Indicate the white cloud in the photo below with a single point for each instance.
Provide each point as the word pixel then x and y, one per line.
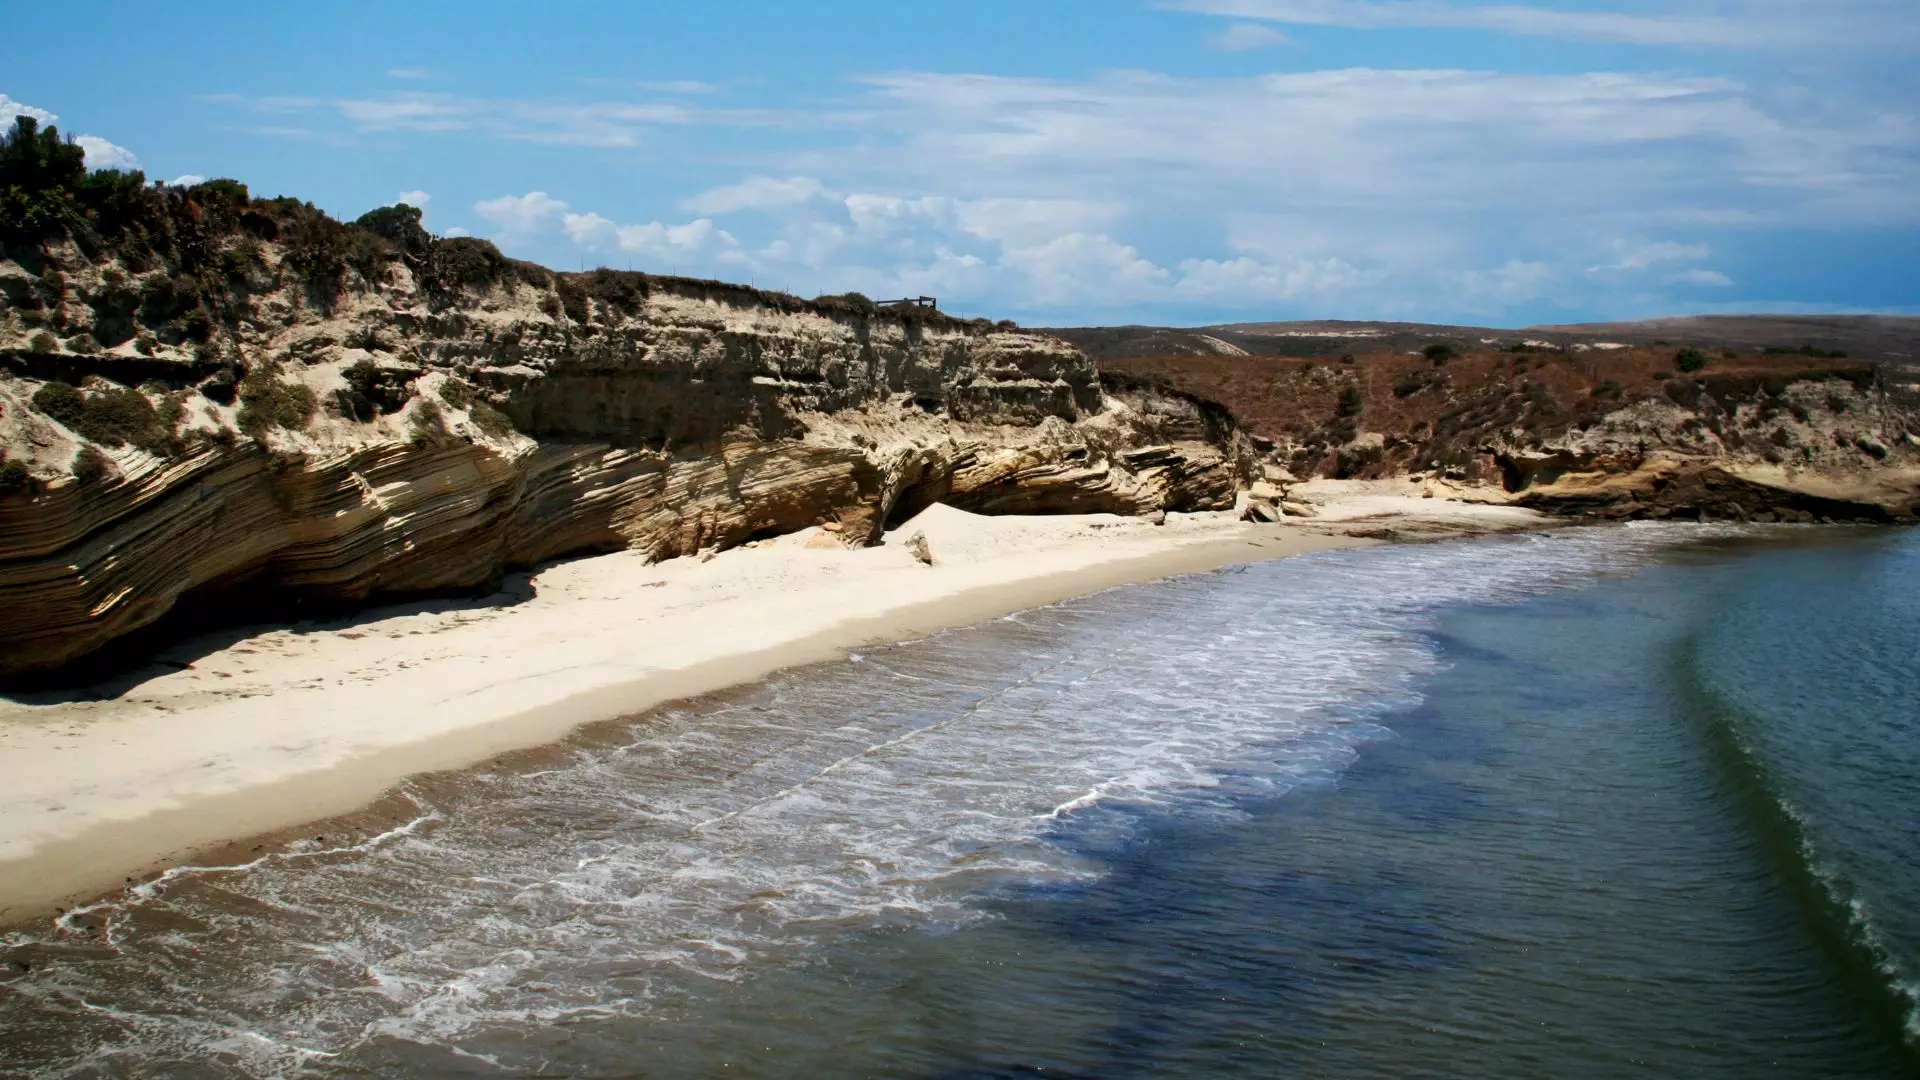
pixel 521 217
pixel 102 154
pixel 1866 24
pixel 756 193
pixel 680 243
pixel 10 108
pixel 416 199
pixel 456 231
pixel 1359 192
pixel 1080 267
pixel 187 180
pixel 1702 277
pixel 1245 37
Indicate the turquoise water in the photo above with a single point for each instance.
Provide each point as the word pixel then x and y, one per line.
pixel 1635 801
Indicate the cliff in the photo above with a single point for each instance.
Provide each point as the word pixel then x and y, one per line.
pixel 1627 432
pixel 245 405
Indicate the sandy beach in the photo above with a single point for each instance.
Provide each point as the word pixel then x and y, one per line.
pixel 238 735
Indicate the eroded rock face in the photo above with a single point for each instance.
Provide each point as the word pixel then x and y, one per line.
pixel 690 420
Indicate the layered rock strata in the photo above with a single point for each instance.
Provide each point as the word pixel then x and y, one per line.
pixel 400 446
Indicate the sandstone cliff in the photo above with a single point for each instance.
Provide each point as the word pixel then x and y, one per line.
pixel 190 429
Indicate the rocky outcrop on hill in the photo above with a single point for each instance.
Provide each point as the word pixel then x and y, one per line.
pixel 1627 433
pixel 402 438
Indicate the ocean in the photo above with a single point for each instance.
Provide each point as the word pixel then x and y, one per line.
pixel 1611 801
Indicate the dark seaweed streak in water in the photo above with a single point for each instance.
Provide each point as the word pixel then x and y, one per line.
pixel 1423 811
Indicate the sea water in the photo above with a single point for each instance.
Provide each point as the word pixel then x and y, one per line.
pixel 1602 802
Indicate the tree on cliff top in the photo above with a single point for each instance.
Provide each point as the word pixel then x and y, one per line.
pixel 39 171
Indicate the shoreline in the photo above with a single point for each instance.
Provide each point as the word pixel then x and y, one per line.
pixel 296 725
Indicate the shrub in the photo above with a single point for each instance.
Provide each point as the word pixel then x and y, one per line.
pixel 456 393
pixel 62 402
pixel 321 251
pixel 266 402
pixel 573 300
pixel 490 420
pixel 197 326
pixel 90 465
pixel 163 298
pixel 13 475
pixel 858 303
pixel 430 424
pixel 624 292
pixel 461 262
pixel 220 192
pixel 372 391
pixel 1439 352
pixel 1350 400
pixel 44 342
pixel 1690 359
pixel 39 171
pixel 114 417
pixel 1608 389
pixel 399 225
pixel 146 344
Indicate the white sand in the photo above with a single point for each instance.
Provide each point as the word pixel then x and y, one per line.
pixel 291 725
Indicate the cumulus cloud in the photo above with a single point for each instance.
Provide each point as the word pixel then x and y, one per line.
pixel 102 154
pixel 187 180
pixel 675 243
pixel 417 199
pixel 520 217
pixel 10 108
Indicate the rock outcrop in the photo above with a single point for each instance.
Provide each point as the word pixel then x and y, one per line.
pixel 399 440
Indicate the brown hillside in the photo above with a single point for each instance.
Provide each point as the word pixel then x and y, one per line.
pixel 1461 415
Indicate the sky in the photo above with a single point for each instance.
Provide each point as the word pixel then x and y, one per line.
pixel 1065 162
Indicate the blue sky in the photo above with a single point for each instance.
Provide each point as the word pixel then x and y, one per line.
pixel 1078 161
